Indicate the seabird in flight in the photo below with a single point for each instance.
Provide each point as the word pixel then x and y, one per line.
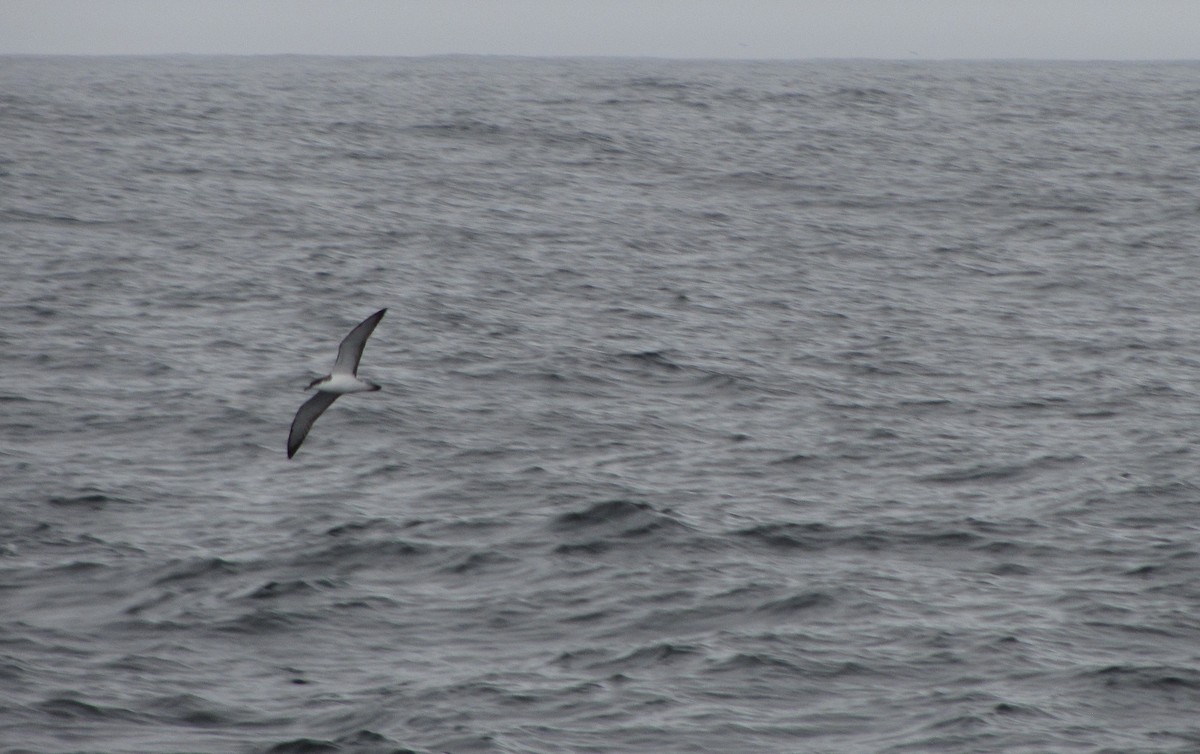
pixel 343 378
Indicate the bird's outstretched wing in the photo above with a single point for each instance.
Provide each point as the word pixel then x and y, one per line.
pixel 308 413
pixel 350 351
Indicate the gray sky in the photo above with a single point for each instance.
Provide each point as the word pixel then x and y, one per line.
pixel 1069 29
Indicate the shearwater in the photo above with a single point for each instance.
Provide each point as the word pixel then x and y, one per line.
pixel 342 378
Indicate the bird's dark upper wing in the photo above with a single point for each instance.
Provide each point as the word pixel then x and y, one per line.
pixel 350 351
pixel 308 413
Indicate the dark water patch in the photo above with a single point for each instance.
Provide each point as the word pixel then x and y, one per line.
pixel 194 711
pixel 868 95
pixel 653 359
pixel 359 742
pixel 1174 490
pixel 1147 571
pixel 795 459
pixel 488 562
pixel 268 622
pixel 290 588
pixel 1034 404
pixel 460 129
pixel 952 538
pixel 11 671
pixel 199 571
pixel 174 169
pixel 658 82
pixel 373 602
pixel 1010 569
pixel 1149 676
pixel 583 148
pixel 373 156
pixel 974 474
pixel 591 547
pixel 74 710
pixel 815 536
pixel 348 554
pixel 590 616
pixel 481 692
pixel 614 524
pixel 788 98
pixel 582 658
pixel 604 514
pixel 753 662
pixel 668 370
pixel 144 663
pixel 786 535
pixel 90 500
pixel 987 473
pixel 1018 711
pixel 651 657
pixel 693 616
pixel 373 524
pixel 1097 414
pixel 18 215
pixel 918 404
pixel 79 568
pixel 809 536
pixel 304 746
pixel 810 672
pixel 797 603
pixel 362 553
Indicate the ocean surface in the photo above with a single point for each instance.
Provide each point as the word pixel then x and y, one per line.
pixel 727 406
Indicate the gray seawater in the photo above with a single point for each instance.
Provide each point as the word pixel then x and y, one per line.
pixel 728 407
